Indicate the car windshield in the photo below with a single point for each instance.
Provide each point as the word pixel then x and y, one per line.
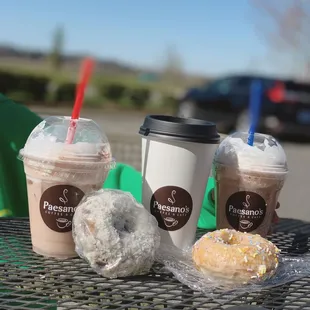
pixel 221 86
pixel 246 82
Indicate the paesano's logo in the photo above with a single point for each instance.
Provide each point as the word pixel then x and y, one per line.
pixel 172 206
pixel 245 211
pixel 57 206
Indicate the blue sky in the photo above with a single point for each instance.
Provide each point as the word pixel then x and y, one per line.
pixel 212 36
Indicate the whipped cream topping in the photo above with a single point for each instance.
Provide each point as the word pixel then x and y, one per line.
pixel 265 154
pixel 47 141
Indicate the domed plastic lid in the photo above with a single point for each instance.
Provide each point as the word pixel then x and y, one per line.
pixel 47 141
pixel 266 154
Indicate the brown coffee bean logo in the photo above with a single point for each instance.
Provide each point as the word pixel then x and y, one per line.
pixel 245 211
pixel 57 206
pixel 172 206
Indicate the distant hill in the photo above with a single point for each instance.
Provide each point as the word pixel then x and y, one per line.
pixel 13 54
pixel 21 58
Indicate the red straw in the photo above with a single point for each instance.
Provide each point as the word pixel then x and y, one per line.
pixel 86 70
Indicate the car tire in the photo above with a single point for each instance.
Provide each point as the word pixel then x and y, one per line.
pixel 187 109
pixel 243 122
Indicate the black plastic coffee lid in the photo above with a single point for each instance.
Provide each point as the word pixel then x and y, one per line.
pixel 184 129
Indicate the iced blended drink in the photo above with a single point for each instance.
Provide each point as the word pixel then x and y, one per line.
pixel 58 176
pixel 248 182
pixel 177 158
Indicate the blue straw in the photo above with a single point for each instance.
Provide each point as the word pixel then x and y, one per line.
pixel 255 105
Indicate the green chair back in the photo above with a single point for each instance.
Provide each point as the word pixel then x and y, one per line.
pixel 16 123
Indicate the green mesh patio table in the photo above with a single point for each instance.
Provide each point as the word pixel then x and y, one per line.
pixel 30 281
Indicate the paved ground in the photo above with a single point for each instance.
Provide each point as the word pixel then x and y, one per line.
pixel 123 128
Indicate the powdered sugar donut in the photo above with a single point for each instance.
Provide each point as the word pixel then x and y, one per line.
pixel 115 234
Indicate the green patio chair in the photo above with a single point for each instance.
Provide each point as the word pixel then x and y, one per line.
pixel 16 123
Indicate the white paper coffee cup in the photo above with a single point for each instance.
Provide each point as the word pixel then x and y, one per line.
pixel 177 156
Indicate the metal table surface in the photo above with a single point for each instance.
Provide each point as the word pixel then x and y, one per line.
pixel 29 281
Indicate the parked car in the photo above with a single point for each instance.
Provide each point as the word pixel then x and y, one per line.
pixel 285 105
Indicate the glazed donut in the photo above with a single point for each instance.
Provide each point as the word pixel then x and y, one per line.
pixel 235 256
pixel 115 234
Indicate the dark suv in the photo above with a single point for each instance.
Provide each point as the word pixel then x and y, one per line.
pixel 285 105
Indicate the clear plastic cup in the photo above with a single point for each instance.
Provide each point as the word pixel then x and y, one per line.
pixel 58 176
pixel 248 181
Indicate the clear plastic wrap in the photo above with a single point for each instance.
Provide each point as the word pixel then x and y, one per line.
pixel 115 234
pixel 180 263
